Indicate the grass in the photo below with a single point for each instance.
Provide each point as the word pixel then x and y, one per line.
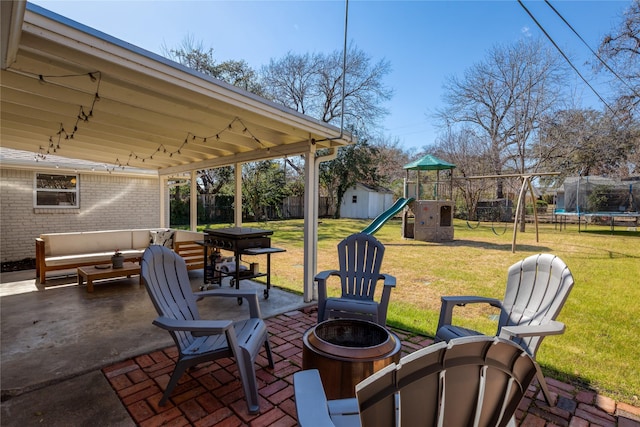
pixel 599 348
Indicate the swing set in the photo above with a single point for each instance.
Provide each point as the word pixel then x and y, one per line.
pixel 499 212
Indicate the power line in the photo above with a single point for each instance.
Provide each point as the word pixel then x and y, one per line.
pixel 602 61
pixel 565 56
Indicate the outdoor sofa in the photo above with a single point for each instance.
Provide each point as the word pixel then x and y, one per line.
pixel 63 251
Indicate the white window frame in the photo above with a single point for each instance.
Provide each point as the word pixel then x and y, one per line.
pixel 73 178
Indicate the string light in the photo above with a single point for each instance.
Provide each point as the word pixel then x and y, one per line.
pixel 193 138
pixel 84 117
pixel 81 117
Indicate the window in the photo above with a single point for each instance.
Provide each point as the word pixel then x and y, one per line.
pixel 354 198
pixel 59 191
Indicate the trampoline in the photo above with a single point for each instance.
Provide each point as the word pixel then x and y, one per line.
pixel 560 218
pixel 597 197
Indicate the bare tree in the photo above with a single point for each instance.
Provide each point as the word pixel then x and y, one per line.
pixel 620 51
pixel 390 160
pixel 194 55
pixel 312 85
pixel 502 99
pixel 290 81
pixel 469 152
pixel 588 142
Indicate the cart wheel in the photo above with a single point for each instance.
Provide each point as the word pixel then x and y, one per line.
pixel 266 294
pixel 239 301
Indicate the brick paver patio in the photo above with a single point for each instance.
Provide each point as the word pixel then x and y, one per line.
pixel 211 394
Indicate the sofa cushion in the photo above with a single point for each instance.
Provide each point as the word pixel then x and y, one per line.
pixel 97 257
pixel 140 239
pixel 90 242
pixel 187 236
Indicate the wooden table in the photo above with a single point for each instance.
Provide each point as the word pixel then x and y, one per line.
pixel 91 273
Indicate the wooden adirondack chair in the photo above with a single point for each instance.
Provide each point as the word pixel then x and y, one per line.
pixel 537 288
pixel 360 256
pixel 472 381
pixel 167 281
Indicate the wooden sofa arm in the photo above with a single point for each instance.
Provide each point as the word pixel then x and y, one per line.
pixel 39 255
pixel 191 252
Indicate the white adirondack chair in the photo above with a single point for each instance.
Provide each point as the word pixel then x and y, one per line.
pixel 472 381
pixel 537 288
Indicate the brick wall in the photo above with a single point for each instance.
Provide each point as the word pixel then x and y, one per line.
pixel 107 202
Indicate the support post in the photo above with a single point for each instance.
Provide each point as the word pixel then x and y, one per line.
pixel 193 202
pixel 163 189
pixel 237 211
pixel 310 224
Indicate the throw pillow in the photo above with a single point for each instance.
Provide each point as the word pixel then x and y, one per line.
pixel 162 237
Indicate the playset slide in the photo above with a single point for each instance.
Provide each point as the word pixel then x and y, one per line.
pixel 384 216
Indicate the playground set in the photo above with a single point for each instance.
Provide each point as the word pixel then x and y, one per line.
pixel 428 206
pixel 429 220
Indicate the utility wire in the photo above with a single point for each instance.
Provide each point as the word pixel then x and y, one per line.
pixel 565 56
pixel 602 61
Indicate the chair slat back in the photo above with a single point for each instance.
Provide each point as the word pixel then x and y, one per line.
pixel 472 381
pixel 537 288
pixel 167 281
pixel 360 257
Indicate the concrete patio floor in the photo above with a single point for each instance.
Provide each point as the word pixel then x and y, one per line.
pixel 70 358
pixel 55 340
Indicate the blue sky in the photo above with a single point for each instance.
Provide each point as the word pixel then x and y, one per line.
pixel 425 41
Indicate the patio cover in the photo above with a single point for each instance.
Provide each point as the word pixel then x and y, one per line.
pixel 71 90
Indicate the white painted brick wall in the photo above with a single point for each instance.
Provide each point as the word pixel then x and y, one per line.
pixel 107 202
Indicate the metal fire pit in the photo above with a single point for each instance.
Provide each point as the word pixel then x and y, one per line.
pixel 346 351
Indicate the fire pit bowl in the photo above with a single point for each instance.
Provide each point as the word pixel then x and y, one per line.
pixel 346 351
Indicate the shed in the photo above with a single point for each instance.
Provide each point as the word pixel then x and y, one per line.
pixel 365 201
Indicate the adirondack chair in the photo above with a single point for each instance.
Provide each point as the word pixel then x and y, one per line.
pixel 165 276
pixel 471 381
pixel 360 256
pixel 537 288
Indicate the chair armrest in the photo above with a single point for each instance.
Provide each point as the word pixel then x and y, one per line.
pixel 321 279
pixel 324 275
pixel 197 328
pixel 449 302
pixel 388 280
pixel 250 295
pixel 311 401
pixel 552 328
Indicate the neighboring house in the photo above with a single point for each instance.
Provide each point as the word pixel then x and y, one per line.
pixel 365 201
pixel 56 195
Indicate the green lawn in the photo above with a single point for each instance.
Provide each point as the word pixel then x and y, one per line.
pixel 600 346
